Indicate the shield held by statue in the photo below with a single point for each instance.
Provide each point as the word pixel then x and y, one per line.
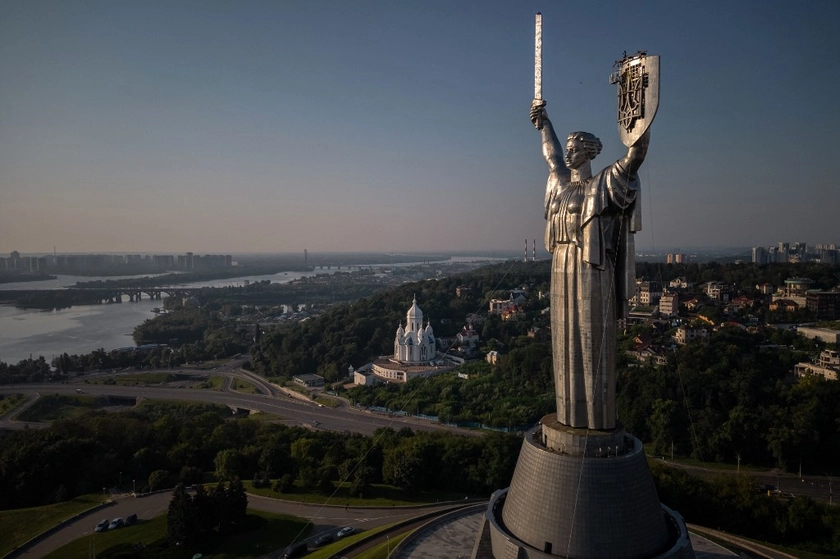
pixel 637 77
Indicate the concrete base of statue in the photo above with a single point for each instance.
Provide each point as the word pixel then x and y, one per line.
pixel 581 494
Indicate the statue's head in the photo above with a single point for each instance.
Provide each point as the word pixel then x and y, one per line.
pixel 581 147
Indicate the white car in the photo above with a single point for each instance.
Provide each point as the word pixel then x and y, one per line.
pixel 101 526
pixel 115 523
pixel 346 531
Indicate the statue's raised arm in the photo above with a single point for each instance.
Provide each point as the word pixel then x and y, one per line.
pixel 636 154
pixel 552 150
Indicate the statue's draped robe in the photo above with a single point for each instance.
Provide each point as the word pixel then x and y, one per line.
pixel 590 233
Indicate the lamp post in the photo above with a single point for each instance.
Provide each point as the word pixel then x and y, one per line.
pixel 134 486
pixel 388 539
pixel 830 493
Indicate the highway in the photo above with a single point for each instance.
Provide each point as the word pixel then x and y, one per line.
pixel 293 409
pixel 290 406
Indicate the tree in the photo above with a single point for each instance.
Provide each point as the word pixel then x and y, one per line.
pixel 283 484
pixel 158 479
pixel 410 465
pixel 181 520
pixel 660 422
pixel 227 462
pixel 362 479
pixel 231 505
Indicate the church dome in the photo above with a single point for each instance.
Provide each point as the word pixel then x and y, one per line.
pixel 414 315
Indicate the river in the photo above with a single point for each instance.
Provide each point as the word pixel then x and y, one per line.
pixel 84 328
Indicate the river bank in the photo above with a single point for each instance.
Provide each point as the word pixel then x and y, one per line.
pixel 84 328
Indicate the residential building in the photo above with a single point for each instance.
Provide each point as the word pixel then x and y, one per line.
pixel 686 335
pixel 680 283
pixel 823 334
pixel 797 287
pixel 468 336
pixel 801 370
pixel 718 290
pixel 669 304
pixel 648 292
pixel 784 305
pixel 824 304
pixel 309 381
pixel 830 358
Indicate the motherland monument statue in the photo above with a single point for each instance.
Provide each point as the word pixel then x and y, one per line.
pixel 582 487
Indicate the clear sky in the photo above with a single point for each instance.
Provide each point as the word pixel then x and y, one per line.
pixel 274 126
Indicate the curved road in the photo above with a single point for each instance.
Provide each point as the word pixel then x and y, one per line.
pixel 294 410
pixel 323 518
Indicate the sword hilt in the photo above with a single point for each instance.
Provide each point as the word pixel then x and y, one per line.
pixel 538 120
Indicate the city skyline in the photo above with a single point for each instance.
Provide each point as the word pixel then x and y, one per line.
pixel 267 127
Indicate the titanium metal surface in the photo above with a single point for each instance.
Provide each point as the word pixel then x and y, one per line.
pixel 538 56
pixel 637 78
pixel 591 221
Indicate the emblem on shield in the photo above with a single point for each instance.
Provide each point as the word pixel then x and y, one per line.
pixel 637 77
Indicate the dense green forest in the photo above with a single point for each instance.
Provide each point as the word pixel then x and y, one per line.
pixel 162 444
pixel 734 504
pixel 156 445
pixel 734 397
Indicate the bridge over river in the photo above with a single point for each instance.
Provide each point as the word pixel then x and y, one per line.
pixel 56 298
pixel 134 294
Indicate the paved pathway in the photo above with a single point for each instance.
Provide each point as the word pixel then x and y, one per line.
pixel 455 538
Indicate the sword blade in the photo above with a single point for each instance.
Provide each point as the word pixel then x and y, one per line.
pixel 538 56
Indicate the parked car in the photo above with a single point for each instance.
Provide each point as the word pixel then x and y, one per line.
pixel 346 531
pixel 115 523
pixel 324 539
pixel 130 519
pixel 295 550
pixel 101 526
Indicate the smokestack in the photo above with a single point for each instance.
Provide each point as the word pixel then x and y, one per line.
pixel 305 258
pixel 533 250
pixel 525 258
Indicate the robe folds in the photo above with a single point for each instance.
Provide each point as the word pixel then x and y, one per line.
pixel 589 231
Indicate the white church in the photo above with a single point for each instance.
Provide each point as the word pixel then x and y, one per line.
pixel 414 343
pixel 415 354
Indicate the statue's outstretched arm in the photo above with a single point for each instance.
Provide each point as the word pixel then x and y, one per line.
pixel 552 149
pixel 636 154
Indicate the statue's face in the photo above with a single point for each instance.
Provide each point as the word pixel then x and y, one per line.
pixel 575 154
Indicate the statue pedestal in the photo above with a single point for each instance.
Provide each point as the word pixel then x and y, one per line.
pixel 583 442
pixel 581 494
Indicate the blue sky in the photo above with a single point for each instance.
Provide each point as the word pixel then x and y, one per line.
pixel 274 126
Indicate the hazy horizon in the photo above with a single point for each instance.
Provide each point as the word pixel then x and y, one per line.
pixel 499 253
pixel 268 127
